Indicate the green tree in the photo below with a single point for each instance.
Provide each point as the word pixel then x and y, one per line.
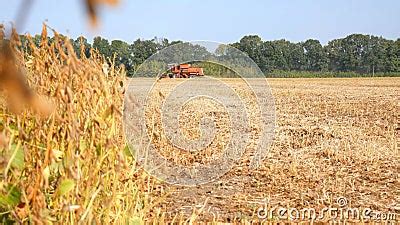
pixel 103 46
pixel 297 58
pixel 123 55
pixel 252 46
pixel 315 56
pixel 335 53
pixel 141 50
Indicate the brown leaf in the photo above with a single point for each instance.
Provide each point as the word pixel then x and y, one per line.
pixel 41 106
pixel 1 32
pixel 15 38
pixel 43 42
pixel 3 140
pixel 13 82
pixel 91 11
pixel 91 8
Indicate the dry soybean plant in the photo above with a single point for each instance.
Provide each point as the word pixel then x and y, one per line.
pixel 67 165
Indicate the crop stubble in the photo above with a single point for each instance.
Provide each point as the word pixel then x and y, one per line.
pixel 333 137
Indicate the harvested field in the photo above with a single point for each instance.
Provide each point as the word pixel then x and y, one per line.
pixel 64 154
pixel 334 138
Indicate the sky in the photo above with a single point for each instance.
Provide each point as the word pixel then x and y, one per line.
pixel 223 21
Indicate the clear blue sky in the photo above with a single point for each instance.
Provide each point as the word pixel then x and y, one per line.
pixel 216 20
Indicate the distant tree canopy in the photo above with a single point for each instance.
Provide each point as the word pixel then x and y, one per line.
pixel 356 53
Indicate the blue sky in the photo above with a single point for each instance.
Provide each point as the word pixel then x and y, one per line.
pixel 219 20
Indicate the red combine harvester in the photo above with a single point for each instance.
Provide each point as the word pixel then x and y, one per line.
pixel 183 71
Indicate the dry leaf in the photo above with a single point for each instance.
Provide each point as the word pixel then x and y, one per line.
pixel 91 8
pixel 41 106
pixel 13 82
pixel 43 41
pixel 3 140
pixel 15 41
pixel 1 32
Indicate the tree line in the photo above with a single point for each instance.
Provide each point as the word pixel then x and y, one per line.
pixel 356 53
